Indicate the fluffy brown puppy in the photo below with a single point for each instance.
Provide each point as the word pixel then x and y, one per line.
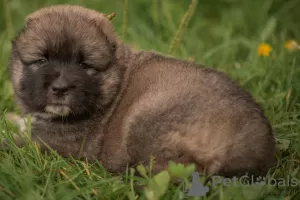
pixel 93 97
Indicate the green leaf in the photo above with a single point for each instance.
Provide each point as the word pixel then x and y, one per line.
pixel 150 194
pixel 141 169
pixel 180 171
pixel 158 185
pixel 283 144
pixel 189 170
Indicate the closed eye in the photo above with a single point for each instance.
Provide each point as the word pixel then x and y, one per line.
pixel 85 66
pixel 39 62
pixel 89 69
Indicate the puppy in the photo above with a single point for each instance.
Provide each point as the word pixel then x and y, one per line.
pixel 93 97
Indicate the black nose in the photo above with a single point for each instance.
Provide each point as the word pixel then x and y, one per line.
pixel 61 87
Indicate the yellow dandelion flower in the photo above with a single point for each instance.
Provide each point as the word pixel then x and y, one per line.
pixel 291 45
pixel 264 49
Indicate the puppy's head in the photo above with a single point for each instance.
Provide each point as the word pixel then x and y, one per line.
pixel 63 62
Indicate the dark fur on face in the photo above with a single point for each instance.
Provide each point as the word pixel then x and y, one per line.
pixel 66 64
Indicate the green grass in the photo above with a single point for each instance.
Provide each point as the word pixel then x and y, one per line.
pixel 223 34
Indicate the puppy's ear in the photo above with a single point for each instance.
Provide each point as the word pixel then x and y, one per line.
pixel 108 31
pixel 30 18
pixel 27 23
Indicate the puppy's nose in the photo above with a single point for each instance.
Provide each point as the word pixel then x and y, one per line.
pixel 61 87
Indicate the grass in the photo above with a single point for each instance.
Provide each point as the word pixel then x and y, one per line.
pixel 223 34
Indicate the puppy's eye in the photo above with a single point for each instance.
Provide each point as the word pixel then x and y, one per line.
pixel 85 66
pixel 40 62
pixel 89 69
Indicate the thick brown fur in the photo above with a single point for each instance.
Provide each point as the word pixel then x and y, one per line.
pixel 122 106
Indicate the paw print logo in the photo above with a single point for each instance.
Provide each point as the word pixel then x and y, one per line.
pixel 260 181
pixel 197 188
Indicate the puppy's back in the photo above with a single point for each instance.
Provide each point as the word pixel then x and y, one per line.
pixel 176 110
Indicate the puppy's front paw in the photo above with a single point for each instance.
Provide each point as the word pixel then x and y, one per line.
pixel 19 138
pixel 17 121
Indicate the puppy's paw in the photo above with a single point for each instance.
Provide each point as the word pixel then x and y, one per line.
pixel 17 121
pixel 19 137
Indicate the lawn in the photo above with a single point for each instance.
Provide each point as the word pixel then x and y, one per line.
pixel 222 34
